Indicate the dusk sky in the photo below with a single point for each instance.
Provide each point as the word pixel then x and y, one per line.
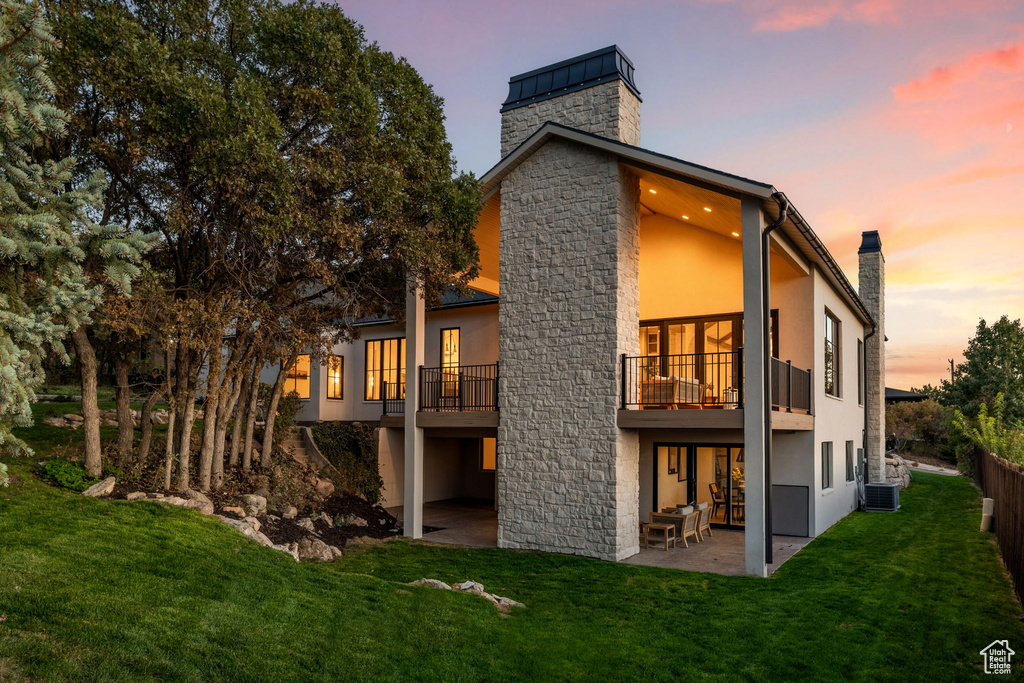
pixel 902 116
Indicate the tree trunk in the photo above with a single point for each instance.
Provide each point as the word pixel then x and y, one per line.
pixel 123 394
pixel 146 422
pixel 187 409
pixel 211 413
pixel 275 398
pixel 90 406
pixel 250 417
pixel 240 414
pixel 169 451
pixel 224 411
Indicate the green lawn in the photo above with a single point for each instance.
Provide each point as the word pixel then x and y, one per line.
pixel 98 590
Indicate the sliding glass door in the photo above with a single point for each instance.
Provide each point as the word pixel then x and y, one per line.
pixel 687 473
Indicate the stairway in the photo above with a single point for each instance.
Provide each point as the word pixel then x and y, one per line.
pixel 293 446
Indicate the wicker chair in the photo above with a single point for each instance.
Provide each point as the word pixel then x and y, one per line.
pixel 704 520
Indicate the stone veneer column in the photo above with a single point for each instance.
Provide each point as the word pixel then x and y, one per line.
pixel 871 283
pixel 568 477
pixel 610 110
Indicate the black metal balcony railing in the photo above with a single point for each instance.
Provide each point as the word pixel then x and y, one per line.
pixel 791 387
pixel 458 389
pixel 393 395
pixel 689 379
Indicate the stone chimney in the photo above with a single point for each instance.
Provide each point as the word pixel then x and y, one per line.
pixel 872 293
pixel 593 92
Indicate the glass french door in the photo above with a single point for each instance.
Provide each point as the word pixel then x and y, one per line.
pixel 701 473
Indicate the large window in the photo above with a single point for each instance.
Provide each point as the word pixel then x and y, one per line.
pixel 488 454
pixel 826 465
pixel 335 377
pixel 833 354
pixel 385 364
pixel 450 362
pixel 850 474
pixel 297 378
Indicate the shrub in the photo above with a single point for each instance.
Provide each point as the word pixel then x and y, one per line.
pixel 284 420
pixel 352 449
pixel 4 480
pixel 991 432
pixel 66 474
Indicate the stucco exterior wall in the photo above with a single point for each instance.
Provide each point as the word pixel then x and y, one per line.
pixel 835 419
pixel 609 109
pixel 567 476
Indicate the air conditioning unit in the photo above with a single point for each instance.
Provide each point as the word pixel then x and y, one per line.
pixel 882 497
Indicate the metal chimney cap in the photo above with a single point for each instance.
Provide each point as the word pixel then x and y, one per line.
pixel 569 76
pixel 870 242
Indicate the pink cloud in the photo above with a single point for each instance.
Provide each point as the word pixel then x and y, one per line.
pixel 794 16
pixel 940 81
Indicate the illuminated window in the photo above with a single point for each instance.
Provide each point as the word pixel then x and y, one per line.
pixel 489 455
pixel 385 364
pixel 450 362
pixel 335 377
pixel 297 379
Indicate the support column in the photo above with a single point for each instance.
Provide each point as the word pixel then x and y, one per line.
pixel 872 293
pixel 414 320
pixel 754 385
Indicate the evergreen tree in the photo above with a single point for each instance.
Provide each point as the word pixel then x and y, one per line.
pixel 46 232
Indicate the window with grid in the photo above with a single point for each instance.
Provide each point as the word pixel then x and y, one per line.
pixel 385 364
pixel 833 352
pixel 297 378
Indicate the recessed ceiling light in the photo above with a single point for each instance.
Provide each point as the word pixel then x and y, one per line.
pixel 653 191
pixel 707 209
pixel 735 234
pixel 686 218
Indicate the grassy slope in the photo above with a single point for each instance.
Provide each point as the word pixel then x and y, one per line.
pixel 108 590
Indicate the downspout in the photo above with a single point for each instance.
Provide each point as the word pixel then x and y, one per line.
pixel 766 371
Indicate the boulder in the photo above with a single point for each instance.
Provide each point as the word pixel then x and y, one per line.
pixel 237 511
pixel 469 587
pixel 306 523
pixel 72 417
pixel 55 422
pixel 138 495
pixel 896 470
pixel 204 507
pixel 255 505
pixel 326 519
pixel 431 583
pixel 107 422
pixel 197 495
pixel 158 419
pixel 253 522
pixel 103 488
pixel 247 530
pixel 315 549
pixel 289 512
pixel 290 548
pixel 323 486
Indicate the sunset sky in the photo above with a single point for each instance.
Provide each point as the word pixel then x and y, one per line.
pixel 904 116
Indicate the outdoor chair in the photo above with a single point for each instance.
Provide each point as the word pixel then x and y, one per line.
pixel 703 520
pixel 685 520
pixel 717 498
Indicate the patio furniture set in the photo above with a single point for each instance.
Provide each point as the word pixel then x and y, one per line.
pixel 674 524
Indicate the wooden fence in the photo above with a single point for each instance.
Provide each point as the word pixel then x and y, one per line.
pixel 1003 481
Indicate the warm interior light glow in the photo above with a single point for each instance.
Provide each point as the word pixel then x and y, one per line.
pixel 707 209
pixel 686 218
pixel 735 234
pixel 653 191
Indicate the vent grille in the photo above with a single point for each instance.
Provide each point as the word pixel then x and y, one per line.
pixel 882 497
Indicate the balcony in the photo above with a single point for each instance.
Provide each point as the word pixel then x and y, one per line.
pixel 463 397
pixel 705 390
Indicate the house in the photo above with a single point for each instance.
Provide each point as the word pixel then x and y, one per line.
pixel 903 396
pixel 647 332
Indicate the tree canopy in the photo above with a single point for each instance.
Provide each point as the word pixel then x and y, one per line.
pixel 993 364
pixel 47 231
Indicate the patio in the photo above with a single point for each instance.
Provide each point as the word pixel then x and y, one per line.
pixel 474 524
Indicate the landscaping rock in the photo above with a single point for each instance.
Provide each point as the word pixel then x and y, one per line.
pixel 896 470
pixel 469 587
pixel 72 417
pixel 253 522
pixel 247 530
pixel 432 583
pixel 197 495
pixel 254 505
pixel 323 486
pixel 306 523
pixel 326 519
pixel 55 421
pixel 108 423
pixel 315 549
pixel 204 507
pixel 501 603
pixel 103 488
pixel 234 511
pixel 289 512
pixel 290 548
pixel 138 495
